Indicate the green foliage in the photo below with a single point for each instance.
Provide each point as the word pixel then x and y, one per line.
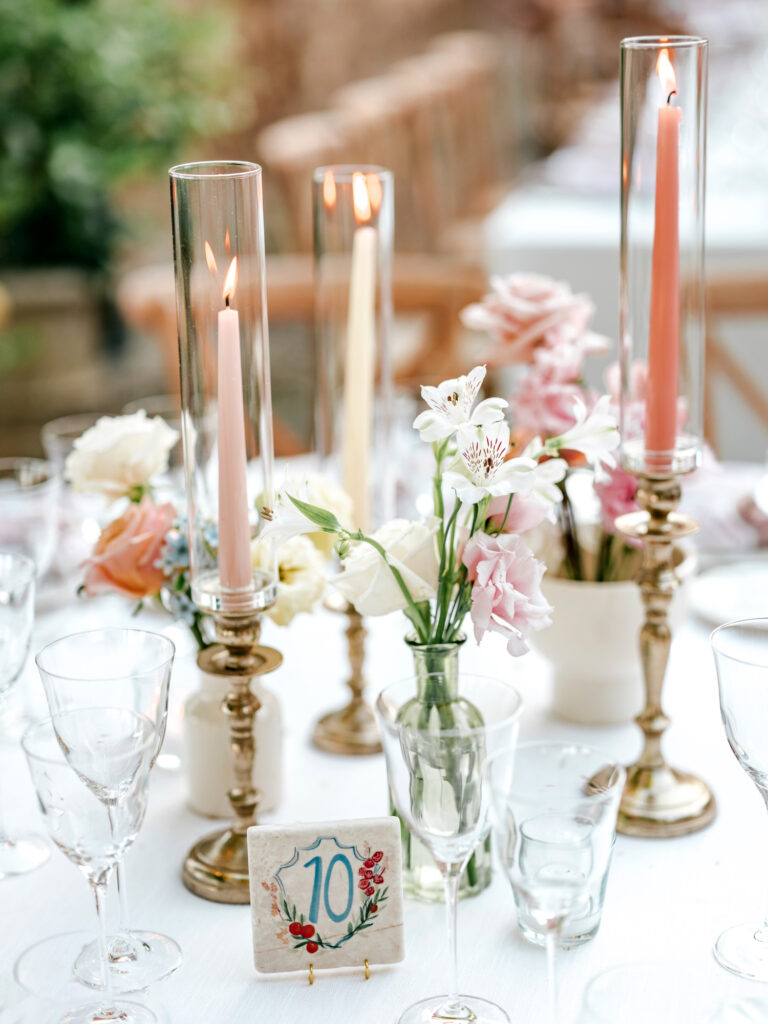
pixel 92 92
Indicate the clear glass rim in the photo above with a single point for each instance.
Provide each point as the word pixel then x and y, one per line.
pixel 14 462
pixel 24 563
pixel 728 629
pixel 391 724
pixel 45 725
pixel 202 169
pixel 106 631
pixel 661 42
pixel 343 172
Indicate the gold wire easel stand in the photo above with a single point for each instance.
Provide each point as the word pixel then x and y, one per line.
pixel 659 801
pixel 216 867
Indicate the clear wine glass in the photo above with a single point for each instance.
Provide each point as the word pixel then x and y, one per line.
pixel 741 659
pixel 18 853
pixel 555 807
pixel 668 992
pixel 438 780
pixel 130 669
pixel 90 769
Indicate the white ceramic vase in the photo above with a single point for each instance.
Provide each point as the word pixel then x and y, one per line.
pixel 593 646
pixel 207 753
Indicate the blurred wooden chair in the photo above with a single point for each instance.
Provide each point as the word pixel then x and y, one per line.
pixel 434 289
pixel 732 297
pixel 289 151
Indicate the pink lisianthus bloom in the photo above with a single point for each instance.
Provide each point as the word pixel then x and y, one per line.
pixel 522 310
pixel 506 595
pixel 616 490
pixel 526 512
pixel 125 558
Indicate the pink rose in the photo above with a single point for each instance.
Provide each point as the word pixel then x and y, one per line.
pixel 506 596
pixel 616 491
pixel 124 559
pixel 525 513
pixel 522 309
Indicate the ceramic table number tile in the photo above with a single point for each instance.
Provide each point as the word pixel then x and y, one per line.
pixel 327 893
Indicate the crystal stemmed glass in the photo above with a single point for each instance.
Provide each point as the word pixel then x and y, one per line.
pixel 17 610
pixel 438 781
pixel 555 808
pixel 741 659
pixel 90 769
pixel 116 668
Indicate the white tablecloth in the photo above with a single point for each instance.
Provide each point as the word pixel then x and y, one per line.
pixel 666 899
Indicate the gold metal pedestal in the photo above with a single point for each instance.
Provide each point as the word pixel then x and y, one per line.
pixel 659 801
pixel 351 729
pixel 216 867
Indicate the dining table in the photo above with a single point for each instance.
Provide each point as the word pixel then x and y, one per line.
pixel 667 899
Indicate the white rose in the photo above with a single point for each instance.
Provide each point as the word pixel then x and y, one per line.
pixel 119 453
pixel 367 582
pixel 301 576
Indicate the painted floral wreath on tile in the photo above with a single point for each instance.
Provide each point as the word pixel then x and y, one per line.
pixel 299 929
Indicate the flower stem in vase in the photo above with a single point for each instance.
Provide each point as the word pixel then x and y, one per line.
pixel 439 707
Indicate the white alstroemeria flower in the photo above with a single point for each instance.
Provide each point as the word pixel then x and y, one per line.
pixel 482 469
pixel 547 474
pixel 593 434
pixel 286 519
pixel 450 406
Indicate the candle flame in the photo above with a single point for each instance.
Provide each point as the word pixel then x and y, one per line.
pixel 666 74
pixel 374 191
pixel 329 190
pixel 360 198
pixel 230 281
pixel 210 259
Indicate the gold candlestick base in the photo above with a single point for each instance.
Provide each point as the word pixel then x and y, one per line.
pixel 216 867
pixel 659 801
pixel 351 729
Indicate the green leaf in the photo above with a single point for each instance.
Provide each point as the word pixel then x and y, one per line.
pixel 324 520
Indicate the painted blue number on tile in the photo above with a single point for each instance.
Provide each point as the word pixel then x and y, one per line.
pixel 317 885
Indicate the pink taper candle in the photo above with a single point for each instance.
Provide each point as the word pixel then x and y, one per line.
pixel 234 528
pixel 663 350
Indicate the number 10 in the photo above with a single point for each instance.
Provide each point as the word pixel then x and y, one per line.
pixel 314 907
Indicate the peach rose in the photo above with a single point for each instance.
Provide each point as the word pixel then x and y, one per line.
pixel 125 558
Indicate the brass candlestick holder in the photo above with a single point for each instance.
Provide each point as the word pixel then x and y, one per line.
pixel 216 867
pixel 658 800
pixel 352 729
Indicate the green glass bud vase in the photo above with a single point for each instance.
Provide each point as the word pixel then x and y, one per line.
pixel 436 668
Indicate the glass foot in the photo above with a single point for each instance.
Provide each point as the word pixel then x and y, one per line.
pixel 137 960
pixel 434 1011
pixel 122 1011
pixel 743 950
pixel 22 854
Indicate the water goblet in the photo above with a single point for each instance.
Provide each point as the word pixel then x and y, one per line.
pixel 555 808
pixel 130 669
pixel 436 764
pixel 741 659
pixel 29 509
pixel 90 769
pixel 19 853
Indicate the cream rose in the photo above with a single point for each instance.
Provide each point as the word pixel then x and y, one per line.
pixel 301 576
pixel 367 581
pixel 119 453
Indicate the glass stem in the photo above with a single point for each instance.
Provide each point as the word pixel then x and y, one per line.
pixel 121 947
pixel 761 934
pixel 451 876
pixel 99 886
pixel 4 837
pixel 552 936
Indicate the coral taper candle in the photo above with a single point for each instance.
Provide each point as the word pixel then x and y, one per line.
pixel 235 571
pixel 360 357
pixel 663 346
